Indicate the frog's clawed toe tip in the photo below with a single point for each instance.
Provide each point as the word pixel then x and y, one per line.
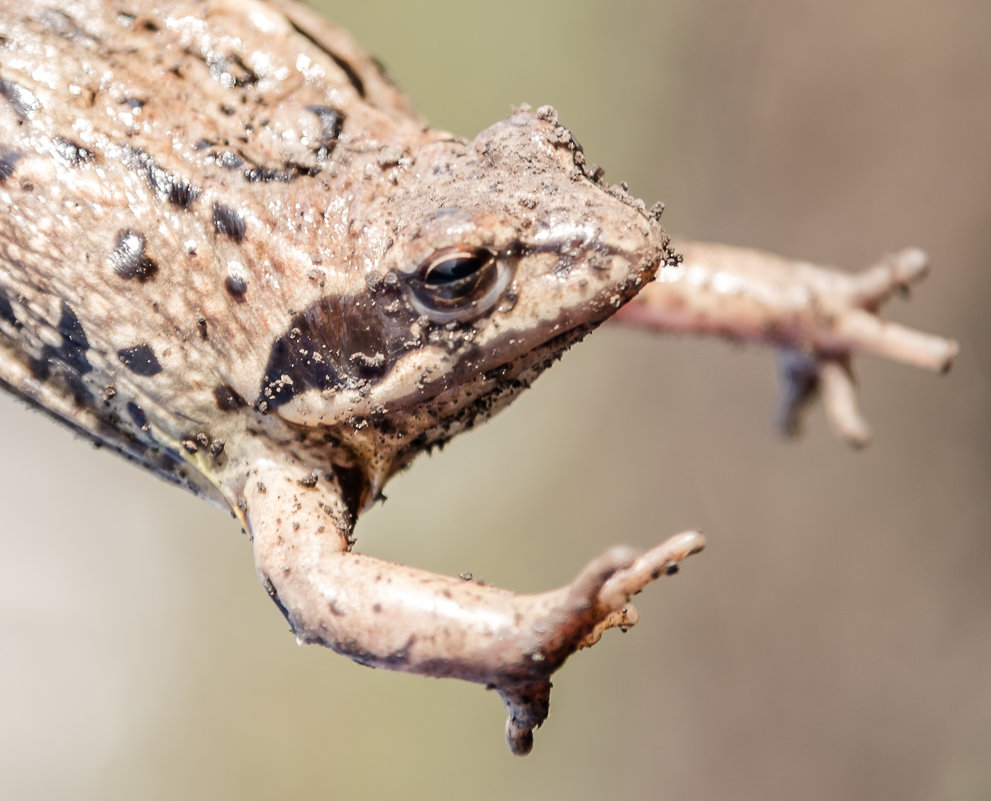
pixel 519 740
pixel 909 264
pixel 661 560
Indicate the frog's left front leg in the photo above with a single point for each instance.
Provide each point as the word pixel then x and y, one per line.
pixel 393 616
pixel 817 317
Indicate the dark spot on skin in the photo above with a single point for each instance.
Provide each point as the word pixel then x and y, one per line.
pixel 349 71
pixel 189 446
pixel 319 349
pixel 68 361
pixel 137 415
pixel 8 161
pixel 140 360
pixel 235 286
pixel 6 310
pixel 228 222
pixel 128 257
pixel 81 393
pixel 177 191
pixel 74 341
pixel 40 368
pixel 230 70
pixel 227 399
pixel 22 100
pixel 71 152
pixel 201 325
pixel 331 123
pixel 217 447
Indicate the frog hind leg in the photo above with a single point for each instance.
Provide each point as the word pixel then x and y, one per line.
pixel 394 616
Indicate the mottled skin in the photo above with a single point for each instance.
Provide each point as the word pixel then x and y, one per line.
pixel 230 249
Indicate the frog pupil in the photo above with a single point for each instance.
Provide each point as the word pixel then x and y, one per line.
pixel 451 270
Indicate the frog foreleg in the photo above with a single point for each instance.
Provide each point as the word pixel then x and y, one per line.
pixel 817 317
pixel 393 616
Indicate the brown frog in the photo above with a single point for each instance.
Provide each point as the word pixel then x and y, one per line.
pixel 230 250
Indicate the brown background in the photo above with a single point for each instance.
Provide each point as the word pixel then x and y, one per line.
pixel 834 642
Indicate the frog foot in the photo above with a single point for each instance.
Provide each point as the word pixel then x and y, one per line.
pixel 826 370
pixel 595 601
pixel 818 318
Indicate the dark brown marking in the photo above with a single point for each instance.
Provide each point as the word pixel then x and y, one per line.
pixel 228 222
pixel 236 286
pixel 340 342
pixel 137 415
pixel 331 123
pixel 349 71
pixel 74 341
pixel 8 162
pixel 140 360
pixel 128 257
pixel 6 310
pixel 227 399
pixel 230 70
pixel 72 152
pixel 177 191
pixel 68 360
pixel 22 100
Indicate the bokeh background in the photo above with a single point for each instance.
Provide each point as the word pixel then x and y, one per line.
pixel 833 642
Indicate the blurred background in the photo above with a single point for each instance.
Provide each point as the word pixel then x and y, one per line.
pixel 835 639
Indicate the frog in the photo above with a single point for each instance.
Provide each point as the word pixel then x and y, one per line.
pixel 232 251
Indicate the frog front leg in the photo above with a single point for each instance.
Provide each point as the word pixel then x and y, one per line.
pixel 817 317
pixel 393 616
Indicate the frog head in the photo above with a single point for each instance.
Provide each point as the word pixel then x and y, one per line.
pixel 488 260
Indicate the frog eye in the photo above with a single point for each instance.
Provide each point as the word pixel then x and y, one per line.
pixel 458 283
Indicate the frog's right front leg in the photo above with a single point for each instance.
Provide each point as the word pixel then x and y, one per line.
pixel 393 616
